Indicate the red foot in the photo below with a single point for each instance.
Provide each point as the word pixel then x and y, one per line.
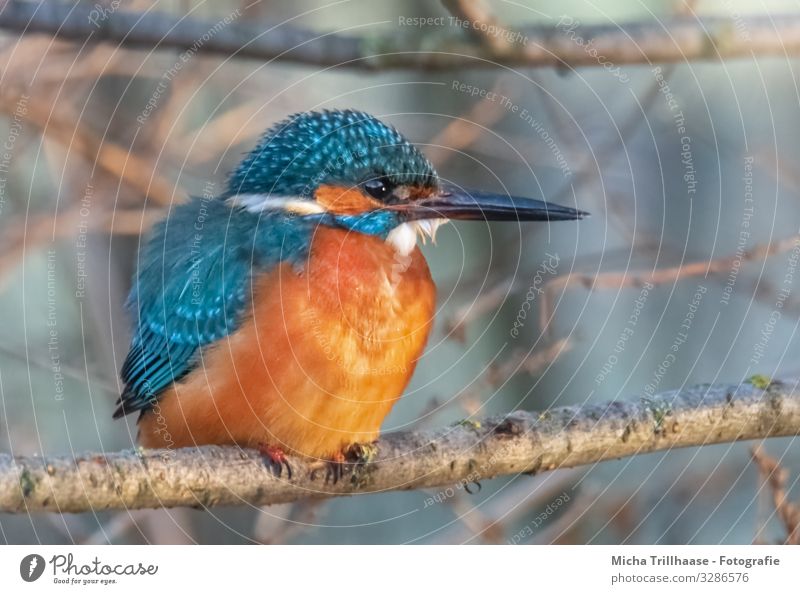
pixel 275 459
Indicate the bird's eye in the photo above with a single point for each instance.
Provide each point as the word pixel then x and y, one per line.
pixel 379 187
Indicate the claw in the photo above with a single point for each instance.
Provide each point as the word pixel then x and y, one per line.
pixel 275 460
pixel 334 469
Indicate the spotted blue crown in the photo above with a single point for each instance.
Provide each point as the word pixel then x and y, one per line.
pixel 328 147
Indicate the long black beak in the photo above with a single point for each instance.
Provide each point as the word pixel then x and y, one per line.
pixel 472 205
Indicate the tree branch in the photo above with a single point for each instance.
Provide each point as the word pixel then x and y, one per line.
pixel 521 442
pixel 675 39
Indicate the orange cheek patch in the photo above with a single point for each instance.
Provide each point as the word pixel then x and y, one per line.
pixel 420 192
pixel 346 201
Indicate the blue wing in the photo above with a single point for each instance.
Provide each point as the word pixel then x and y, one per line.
pixel 192 288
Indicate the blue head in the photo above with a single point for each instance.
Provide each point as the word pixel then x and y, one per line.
pixel 345 148
pixel 350 169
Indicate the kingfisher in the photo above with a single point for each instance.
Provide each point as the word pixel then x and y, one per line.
pixel 288 313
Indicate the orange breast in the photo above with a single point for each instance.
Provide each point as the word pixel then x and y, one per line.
pixel 320 361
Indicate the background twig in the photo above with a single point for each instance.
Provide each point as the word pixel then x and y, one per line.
pixel 675 39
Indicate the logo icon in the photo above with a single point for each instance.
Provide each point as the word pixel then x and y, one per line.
pixel 31 567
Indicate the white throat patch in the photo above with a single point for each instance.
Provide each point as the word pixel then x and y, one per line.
pixel 403 238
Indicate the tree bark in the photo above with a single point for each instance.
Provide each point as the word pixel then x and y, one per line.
pixel 672 39
pixel 451 457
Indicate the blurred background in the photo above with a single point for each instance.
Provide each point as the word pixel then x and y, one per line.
pixel 689 171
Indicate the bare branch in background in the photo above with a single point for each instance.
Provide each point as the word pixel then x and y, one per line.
pixel 490 300
pixel 486 28
pixel 774 475
pixel 675 39
pixel 117 161
pixel 616 280
pixel 532 362
pixel 461 132
pixel 456 324
pixel 521 442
